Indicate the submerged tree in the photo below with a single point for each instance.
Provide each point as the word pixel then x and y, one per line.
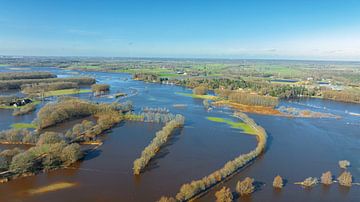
pixel 224 195
pixel 344 164
pixel 308 182
pixel 278 182
pixel 326 178
pixel 345 179
pixel 245 187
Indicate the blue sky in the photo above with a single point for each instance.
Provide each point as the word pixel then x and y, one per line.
pixel 293 29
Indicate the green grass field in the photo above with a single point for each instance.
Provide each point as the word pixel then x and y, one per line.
pixel 66 92
pixel 207 97
pixel 238 125
pixel 23 125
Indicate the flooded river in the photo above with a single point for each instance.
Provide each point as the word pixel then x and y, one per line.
pixel 298 148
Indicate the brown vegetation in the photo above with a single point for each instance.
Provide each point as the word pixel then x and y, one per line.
pixel 278 182
pixel 167 199
pixel 248 108
pixel 345 179
pixel 245 187
pixel 326 178
pixel 224 195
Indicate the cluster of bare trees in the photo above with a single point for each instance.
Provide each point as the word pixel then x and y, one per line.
pixel 160 139
pixel 344 96
pixel 248 98
pixel 44 87
pixel 190 190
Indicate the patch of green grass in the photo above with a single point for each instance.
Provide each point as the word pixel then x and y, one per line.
pixel 65 92
pixel 238 125
pixel 23 125
pixel 207 97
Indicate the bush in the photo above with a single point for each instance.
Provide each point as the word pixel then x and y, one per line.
pixel 345 179
pixel 326 178
pixel 309 182
pixel 245 187
pixel 6 157
pixel 224 195
pixel 23 162
pixel 278 182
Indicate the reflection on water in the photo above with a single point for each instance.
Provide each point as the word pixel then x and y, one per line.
pixel 298 148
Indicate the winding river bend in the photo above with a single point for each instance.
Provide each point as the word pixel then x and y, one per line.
pixel 297 148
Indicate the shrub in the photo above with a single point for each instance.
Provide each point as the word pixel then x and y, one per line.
pixel 344 164
pixel 326 178
pixel 278 182
pixel 345 179
pixel 18 136
pixel 245 187
pixel 23 162
pixel 224 195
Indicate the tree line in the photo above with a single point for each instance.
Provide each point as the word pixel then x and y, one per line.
pixel 344 96
pixel 160 139
pixel 16 84
pixel 26 75
pixel 44 87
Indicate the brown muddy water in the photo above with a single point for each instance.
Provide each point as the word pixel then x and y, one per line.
pixel 298 148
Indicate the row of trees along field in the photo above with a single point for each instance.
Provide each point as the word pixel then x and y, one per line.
pixel 26 75
pixel 248 98
pixel 191 190
pixel 16 84
pixel 344 96
pixel 160 139
pixel 44 87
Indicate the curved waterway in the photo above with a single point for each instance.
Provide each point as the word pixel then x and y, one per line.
pixel 297 148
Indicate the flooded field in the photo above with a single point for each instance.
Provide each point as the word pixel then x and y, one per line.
pixel 297 148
